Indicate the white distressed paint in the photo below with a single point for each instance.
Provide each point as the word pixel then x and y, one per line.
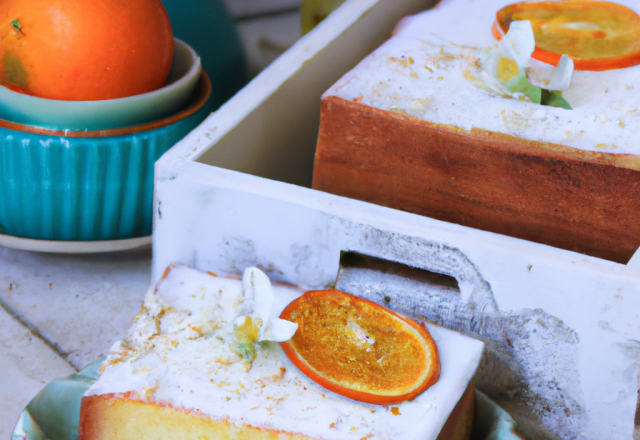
pixel 534 305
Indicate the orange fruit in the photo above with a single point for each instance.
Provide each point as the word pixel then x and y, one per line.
pixel 84 50
pixel 597 35
pixel 359 349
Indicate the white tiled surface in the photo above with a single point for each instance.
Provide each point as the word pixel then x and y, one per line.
pixel 26 365
pixel 77 306
pixel 81 304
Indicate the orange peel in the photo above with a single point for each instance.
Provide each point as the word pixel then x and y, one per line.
pixel 84 50
pixel 597 35
pixel 359 349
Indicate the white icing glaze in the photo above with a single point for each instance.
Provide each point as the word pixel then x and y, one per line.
pixel 446 41
pixel 180 367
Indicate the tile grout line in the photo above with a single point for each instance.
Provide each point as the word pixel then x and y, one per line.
pixel 34 331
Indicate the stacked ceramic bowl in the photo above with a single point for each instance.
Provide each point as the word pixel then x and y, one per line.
pixel 83 170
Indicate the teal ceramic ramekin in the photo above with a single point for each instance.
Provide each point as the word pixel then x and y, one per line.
pixel 109 113
pixel 87 185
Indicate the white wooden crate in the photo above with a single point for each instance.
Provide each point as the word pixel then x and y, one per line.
pixel 562 329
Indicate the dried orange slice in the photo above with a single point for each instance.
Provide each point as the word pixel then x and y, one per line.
pixel 359 349
pixel 597 35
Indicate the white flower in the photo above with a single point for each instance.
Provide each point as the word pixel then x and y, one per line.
pixel 259 302
pixel 504 68
pixel 561 76
pixel 519 43
pixel 549 77
pixel 507 67
pixel 255 324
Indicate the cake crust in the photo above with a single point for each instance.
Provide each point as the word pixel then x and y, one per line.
pixel 573 199
pixel 109 417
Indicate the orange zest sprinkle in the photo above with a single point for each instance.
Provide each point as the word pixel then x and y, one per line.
pixel 597 35
pixel 166 272
pixel 359 349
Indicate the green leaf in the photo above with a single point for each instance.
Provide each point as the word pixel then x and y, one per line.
pixel 17 27
pixel 553 98
pixel 525 87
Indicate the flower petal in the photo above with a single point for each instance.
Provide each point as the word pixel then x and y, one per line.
pixel 256 285
pixel 561 76
pixel 279 330
pixel 519 43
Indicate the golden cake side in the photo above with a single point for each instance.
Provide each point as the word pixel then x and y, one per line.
pixel 108 417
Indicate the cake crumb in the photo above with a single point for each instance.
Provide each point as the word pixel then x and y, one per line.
pixel 149 391
pixel 396 109
pixel 198 330
pixel 403 63
pixel 224 362
pixel 280 375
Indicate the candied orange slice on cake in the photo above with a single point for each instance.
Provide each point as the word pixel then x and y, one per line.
pixel 597 35
pixel 359 349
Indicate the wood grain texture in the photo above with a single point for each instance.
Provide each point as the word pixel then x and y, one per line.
pixel 586 202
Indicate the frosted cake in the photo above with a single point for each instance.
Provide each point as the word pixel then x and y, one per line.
pixel 179 374
pixel 417 126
